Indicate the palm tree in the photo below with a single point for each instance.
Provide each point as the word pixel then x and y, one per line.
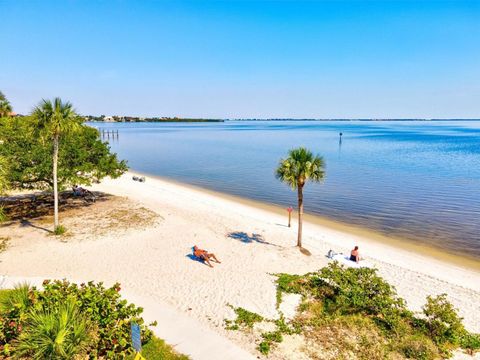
pixel 300 165
pixel 54 119
pixel 5 107
pixel 62 332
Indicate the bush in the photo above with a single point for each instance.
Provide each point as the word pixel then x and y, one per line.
pixel 357 290
pixel 264 347
pixel 58 333
pixel 3 215
pixel 442 321
pixel 14 305
pixel 60 230
pixel 419 347
pixel 470 342
pixel 104 315
pixel 244 319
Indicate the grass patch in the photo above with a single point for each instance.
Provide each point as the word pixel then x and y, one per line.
pixel 157 349
pixel 60 230
pixel 4 243
pixel 3 215
pixel 244 319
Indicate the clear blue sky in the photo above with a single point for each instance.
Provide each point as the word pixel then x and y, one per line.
pixel 315 59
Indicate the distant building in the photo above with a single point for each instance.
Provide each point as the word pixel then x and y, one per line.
pixel 108 119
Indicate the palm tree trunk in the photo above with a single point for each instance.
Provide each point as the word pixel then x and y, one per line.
pixel 55 185
pixel 300 214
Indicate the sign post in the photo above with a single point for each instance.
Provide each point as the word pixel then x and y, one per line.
pixel 289 209
pixel 136 340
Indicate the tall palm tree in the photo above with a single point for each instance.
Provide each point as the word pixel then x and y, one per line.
pixel 54 119
pixel 5 106
pixel 299 167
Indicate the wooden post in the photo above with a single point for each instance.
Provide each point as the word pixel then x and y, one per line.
pixel 289 209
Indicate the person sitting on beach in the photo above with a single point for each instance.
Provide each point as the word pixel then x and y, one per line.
pixel 204 255
pixel 355 255
pixel 77 190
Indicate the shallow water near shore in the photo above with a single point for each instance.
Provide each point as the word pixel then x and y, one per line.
pixel 414 180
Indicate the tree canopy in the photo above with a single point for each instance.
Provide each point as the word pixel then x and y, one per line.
pixel 5 106
pixel 300 165
pixel 83 156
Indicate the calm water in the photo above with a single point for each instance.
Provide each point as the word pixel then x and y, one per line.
pixel 417 180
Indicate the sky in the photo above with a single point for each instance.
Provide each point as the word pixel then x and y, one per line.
pixel 244 59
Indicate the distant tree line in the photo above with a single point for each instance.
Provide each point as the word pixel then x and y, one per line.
pixel 116 118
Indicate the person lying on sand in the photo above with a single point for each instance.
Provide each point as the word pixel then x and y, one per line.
pixel 204 255
pixel 355 255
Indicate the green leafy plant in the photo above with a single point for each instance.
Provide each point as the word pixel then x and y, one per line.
pixel 14 306
pixel 61 332
pixel 60 230
pixel 443 323
pixel 264 347
pixel 3 243
pixel 470 342
pixel 3 215
pixel 101 312
pixel 244 319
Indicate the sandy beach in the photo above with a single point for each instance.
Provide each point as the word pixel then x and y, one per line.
pixel 152 261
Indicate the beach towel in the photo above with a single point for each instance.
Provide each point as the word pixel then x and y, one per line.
pixel 345 260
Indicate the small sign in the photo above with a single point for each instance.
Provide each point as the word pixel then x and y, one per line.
pixel 289 209
pixel 136 339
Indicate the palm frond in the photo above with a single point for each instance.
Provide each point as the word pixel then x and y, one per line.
pixel 300 165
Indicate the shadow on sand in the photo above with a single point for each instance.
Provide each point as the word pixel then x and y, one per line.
pixel 248 239
pixel 25 223
pixel 194 258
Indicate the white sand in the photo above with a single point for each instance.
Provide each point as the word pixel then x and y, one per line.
pixel 154 268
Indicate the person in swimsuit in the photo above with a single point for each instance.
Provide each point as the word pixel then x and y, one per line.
pixel 355 255
pixel 204 255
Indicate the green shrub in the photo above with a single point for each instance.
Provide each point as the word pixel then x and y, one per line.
pixel 470 342
pixel 3 243
pixel 418 347
pixel 60 230
pixel 264 347
pixel 442 321
pixel 14 306
pixel 357 290
pixel 58 333
pixel 244 319
pixel 102 308
pixel 3 215
pixel 273 336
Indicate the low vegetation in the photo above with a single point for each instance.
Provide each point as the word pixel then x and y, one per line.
pixel 3 243
pixel 355 314
pixel 67 321
pixel 60 230
pixel 244 319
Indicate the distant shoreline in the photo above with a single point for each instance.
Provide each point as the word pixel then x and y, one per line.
pixel 286 119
